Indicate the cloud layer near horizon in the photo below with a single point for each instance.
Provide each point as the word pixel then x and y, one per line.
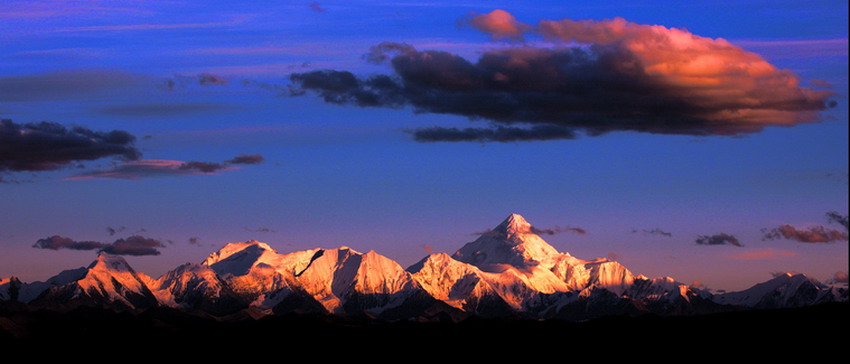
pixel 598 77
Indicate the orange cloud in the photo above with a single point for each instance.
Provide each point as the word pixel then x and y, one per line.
pixel 727 81
pixel 500 24
pixel 766 254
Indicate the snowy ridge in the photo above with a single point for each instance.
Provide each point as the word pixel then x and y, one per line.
pixel 507 270
pixel 784 290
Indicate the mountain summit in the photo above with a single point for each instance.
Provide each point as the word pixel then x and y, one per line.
pixel 511 243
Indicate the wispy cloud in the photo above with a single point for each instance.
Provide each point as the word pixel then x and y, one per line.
pixel 150 168
pixel 64 85
pixel 766 254
pixel 814 234
pixel 236 20
pixel 655 231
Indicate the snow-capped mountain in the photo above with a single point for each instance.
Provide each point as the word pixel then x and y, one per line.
pixel 108 282
pixel 784 290
pixel 508 270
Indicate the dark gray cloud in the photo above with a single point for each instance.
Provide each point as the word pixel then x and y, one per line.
pixel 112 231
pixel 815 234
pixel 602 87
pixel 718 239
pixel 195 240
pixel 247 159
pixel 134 245
pixel 57 242
pixel 502 134
pixel 655 231
pixel 45 145
pixel 63 85
pixel 201 79
pixel 141 169
pixel 536 230
pixel 558 230
pixel 205 167
pixel 835 217
pixel 261 230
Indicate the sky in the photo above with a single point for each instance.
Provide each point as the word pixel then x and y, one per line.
pixel 703 140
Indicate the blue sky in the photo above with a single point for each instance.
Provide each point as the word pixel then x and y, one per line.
pixel 210 81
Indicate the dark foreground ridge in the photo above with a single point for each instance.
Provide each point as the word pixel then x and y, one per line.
pixel 822 325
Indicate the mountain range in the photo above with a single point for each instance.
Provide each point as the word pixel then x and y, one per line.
pixel 508 271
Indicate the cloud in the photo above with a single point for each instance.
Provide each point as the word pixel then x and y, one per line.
pixel 655 231
pixel 45 145
pixel 161 109
pixel 134 245
pixel 718 239
pixel 767 254
pixel 63 85
pixel 839 277
pixel 834 217
pixel 539 231
pixel 195 240
pixel 599 77
pixel 201 79
pixel 57 242
pixel 500 25
pixel 558 230
pixel 815 234
pixel 247 159
pixel 428 249
pixel 149 168
pixel 500 134
pixel 261 230
pixel 112 231
pixel 317 8
pixel 204 167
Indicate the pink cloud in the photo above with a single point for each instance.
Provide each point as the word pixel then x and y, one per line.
pixel 147 168
pixel 500 24
pixel 766 254
pixel 708 72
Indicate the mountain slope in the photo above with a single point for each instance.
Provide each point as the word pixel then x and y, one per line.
pixel 109 281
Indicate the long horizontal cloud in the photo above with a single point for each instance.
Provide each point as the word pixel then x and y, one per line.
pixel 502 134
pixel 718 239
pixel 539 231
pixel 47 145
pixel 149 168
pixel 815 234
pixel 57 242
pixel 655 231
pixel 65 84
pixel 602 76
pixel 765 254
pixel 133 245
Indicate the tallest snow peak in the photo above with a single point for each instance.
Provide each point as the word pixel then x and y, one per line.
pixel 515 223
